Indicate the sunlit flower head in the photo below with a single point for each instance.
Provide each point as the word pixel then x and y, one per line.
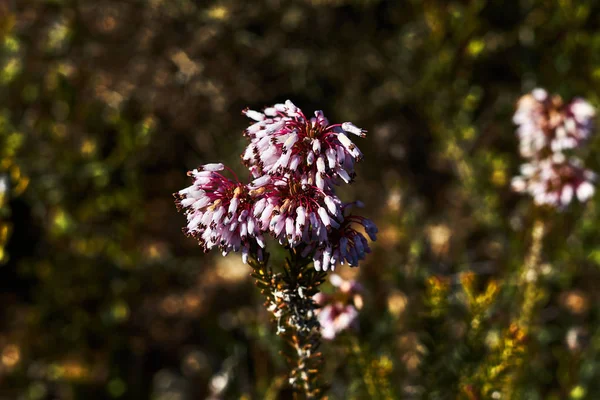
pixel 219 211
pixel 297 213
pixel 284 140
pixel 296 163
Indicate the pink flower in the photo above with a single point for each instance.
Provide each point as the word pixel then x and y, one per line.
pixel 296 163
pixel 547 128
pixel 344 244
pixel 555 181
pixel 297 213
pixel 284 141
pixel 219 211
pixel 338 311
pixel 335 318
pixel 547 125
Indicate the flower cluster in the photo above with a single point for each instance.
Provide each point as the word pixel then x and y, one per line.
pixel 547 129
pixel 219 211
pixel 296 163
pixel 339 311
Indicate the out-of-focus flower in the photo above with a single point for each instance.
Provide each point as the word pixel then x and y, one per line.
pixel 335 318
pixel 3 184
pixel 283 140
pixel 555 181
pixel 346 287
pixel 548 125
pixel 577 338
pixel 338 310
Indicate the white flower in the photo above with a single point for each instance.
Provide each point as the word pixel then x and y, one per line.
pixel 554 183
pixel 546 124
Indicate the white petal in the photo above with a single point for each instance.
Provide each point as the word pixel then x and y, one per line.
pixel 321 164
pixel 539 94
pixel 566 195
pixel 324 216
pixel 330 205
pixel 584 191
pixel 263 180
pixel 290 142
pixel 255 115
pixel 233 205
pixel 350 127
pixel 213 167
pixel 291 106
pixel 316 146
pixel 270 111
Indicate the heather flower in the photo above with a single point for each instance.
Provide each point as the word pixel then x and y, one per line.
pixel 346 287
pixel 338 311
pixel 297 213
pixel 295 163
pixel 344 244
pixel 546 124
pixel 4 187
pixel 284 141
pixel 335 318
pixel 555 181
pixel 547 127
pixel 3 184
pixel 219 211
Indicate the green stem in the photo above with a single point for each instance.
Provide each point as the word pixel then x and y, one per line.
pixel 528 280
pixel 530 274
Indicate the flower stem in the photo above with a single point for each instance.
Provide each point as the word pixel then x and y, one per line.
pixel 289 298
pixel 530 274
pixel 528 282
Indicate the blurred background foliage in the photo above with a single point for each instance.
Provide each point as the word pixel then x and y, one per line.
pixel 104 105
